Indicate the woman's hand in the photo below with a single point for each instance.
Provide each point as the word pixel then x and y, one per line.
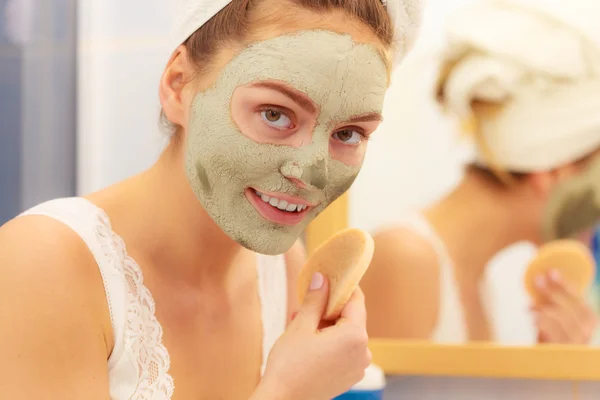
pixel 314 360
pixel 562 316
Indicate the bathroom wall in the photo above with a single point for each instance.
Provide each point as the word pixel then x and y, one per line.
pixel 37 102
pixel 121 54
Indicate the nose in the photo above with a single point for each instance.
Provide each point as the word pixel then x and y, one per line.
pixel 313 175
pixel 309 167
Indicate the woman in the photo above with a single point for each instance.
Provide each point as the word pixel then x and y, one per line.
pixel 271 103
pixel 533 116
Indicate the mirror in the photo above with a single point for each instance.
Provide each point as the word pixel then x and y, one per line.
pixel 453 241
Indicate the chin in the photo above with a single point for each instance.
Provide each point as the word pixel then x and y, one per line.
pixel 273 247
pixel 272 239
pixel 268 240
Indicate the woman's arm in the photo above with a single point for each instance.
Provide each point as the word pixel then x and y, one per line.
pixel 402 286
pixel 53 315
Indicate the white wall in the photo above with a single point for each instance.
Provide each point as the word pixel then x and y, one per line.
pixel 122 52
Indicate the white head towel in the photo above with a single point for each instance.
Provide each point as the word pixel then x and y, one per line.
pixel 540 61
pixel 192 14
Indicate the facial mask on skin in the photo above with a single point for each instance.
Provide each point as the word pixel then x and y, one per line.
pixel 574 205
pixel 343 78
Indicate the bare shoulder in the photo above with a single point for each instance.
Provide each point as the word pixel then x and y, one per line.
pixel 52 298
pixel 397 248
pixel 402 285
pixel 294 261
pixel 42 251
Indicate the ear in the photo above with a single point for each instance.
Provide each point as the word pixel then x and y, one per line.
pixel 176 74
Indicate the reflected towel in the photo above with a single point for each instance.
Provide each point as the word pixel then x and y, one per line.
pixel 537 63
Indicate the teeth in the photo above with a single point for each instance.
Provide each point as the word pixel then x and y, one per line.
pixel 280 204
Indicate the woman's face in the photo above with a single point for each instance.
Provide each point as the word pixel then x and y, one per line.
pixel 282 132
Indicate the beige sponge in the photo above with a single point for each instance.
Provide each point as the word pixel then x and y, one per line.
pixel 569 257
pixel 343 260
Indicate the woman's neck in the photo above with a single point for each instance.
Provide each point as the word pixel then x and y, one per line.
pixel 479 219
pixel 158 215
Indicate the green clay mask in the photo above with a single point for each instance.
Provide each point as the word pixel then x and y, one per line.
pixel 224 166
pixel 574 206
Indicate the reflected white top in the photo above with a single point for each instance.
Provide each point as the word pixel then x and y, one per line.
pixel 138 367
pixel 451 326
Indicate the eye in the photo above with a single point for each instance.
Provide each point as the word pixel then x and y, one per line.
pixel 276 118
pixel 349 136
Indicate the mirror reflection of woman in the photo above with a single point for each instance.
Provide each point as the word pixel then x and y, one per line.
pixel 522 79
pixel 179 282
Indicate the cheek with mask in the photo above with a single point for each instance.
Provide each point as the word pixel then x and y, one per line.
pixel 573 210
pixel 232 175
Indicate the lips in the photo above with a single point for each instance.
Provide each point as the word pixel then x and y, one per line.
pixel 279 208
pixel 281 204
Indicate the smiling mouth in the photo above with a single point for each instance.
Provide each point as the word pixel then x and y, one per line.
pixel 277 210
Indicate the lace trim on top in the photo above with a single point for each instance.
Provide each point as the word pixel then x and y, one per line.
pixel 143 332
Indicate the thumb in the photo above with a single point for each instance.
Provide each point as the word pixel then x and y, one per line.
pixel 313 307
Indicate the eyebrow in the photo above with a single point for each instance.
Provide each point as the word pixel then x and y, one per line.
pixel 300 98
pixel 307 104
pixel 369 117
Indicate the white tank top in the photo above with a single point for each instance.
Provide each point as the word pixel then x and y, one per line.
pixel 138 366
pixel 451 326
